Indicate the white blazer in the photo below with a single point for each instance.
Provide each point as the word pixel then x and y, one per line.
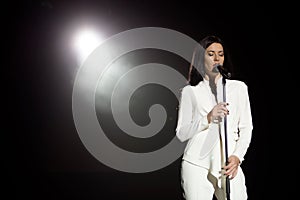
pixel 192 125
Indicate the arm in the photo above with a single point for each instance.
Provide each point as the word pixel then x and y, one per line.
pixel 245 133
pixel 189 124
pixel 245 125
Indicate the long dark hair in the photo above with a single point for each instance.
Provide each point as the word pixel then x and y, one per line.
pixel 196 71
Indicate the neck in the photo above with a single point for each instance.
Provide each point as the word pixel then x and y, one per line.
pixel 211 77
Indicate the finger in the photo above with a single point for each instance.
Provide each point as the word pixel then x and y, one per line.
pixel 223 104
pixel 229 171
pixel 224 110
pixel 233 174
pixel 230 168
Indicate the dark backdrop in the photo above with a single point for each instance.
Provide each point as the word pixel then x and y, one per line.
pixel 46 159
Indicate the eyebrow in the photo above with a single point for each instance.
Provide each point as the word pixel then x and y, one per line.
pixel 214 51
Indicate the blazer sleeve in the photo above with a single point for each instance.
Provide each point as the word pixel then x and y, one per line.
pixel 189 121
pixel 245 125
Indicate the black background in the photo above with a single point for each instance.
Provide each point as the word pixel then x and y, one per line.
pixel 46 159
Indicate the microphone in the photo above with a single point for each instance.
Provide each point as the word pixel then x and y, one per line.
pixel 222 70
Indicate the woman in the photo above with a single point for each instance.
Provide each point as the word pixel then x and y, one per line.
pixel 201 123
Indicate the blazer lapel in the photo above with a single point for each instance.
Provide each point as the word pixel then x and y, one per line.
pixel 203 100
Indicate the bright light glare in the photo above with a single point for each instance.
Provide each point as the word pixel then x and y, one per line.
pixel 85 42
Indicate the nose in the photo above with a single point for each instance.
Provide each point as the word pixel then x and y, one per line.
pixel 216 57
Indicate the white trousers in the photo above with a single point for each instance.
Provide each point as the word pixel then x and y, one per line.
pixel 199 184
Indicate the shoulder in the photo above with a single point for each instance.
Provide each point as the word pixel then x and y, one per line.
pixel 191 88
pixel 238 87
pixel 237 84
pixel 187 88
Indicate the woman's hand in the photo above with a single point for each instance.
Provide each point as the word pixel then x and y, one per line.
pixel 218 112
pixel 231 168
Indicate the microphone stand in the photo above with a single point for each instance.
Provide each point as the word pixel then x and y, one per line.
pixel 225 134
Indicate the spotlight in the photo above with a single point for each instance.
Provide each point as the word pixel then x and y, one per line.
pixel 85 42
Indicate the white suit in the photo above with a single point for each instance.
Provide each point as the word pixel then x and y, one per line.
pixel 206 140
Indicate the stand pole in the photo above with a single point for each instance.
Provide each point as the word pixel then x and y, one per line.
pixel 225 134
